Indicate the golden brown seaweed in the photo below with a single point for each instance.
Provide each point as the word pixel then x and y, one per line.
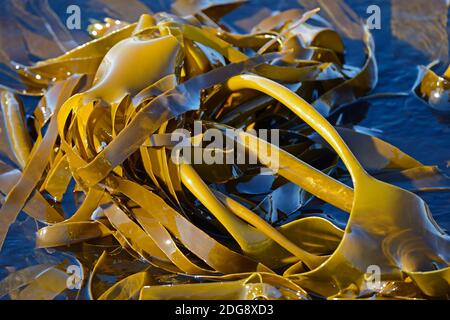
pixel 181 231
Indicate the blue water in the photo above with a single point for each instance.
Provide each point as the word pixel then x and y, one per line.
pixel 406 122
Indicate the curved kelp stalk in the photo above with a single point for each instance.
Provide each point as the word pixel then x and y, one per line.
pixel 100 165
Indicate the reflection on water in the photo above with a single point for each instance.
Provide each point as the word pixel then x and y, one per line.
pixel 404 121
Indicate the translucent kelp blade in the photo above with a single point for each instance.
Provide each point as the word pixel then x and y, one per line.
pixel 214 9
pixel 46 286
pixel 38 160
pixel 68 233
pixel 212 252
pixel 83 59
pixel 432 283
pixel 128 288
pixel 14 128
pixel 293 169
pixel 138 239
pixel 312 234
pixel 321 72
pixel 255 286
pixel 373 153
pixel 341 16
pixel 98 171
pixel 130 11
pixel 112 265
pixel 36 206
pixel 165 242
pixel 350 90
pixel 42 37
pixel 390 164
pixel 183 98
pixel 423 27
pixel 400 248
pixel 20 278
pixel 406 240
pixel 419 179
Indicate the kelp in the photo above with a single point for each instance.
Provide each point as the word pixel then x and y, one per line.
pixel 422 27
pixel 253 287
pixel 434 89
pixel 15 128
pixel 146 225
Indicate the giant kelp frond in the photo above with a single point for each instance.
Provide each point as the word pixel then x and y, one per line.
pixel 149 226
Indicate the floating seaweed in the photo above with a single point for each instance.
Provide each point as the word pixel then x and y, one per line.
pixel 148 227
pixel 434 89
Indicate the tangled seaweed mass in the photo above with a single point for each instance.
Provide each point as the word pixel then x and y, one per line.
pixel 140 225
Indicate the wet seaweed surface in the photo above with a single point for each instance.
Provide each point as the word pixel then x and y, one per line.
pixel 95 207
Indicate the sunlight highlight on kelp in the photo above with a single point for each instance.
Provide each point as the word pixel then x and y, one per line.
pixel 142 226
